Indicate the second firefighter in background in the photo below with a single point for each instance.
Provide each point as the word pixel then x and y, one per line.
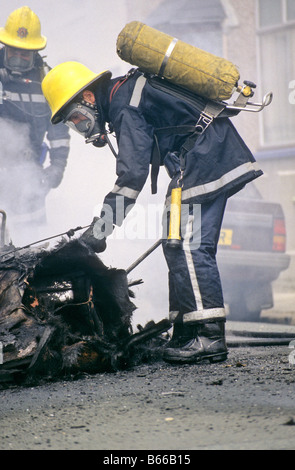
pixel 27 136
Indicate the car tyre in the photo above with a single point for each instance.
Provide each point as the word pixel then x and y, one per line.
pixel 239 312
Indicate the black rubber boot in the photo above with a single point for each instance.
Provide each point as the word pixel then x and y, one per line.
pixel 181 335
pixel 198 342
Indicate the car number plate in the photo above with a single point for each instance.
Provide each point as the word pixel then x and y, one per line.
pixel 226 236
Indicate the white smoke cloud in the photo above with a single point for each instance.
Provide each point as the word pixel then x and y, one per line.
pixel 14 139
pixel 19 178
pixel 87 32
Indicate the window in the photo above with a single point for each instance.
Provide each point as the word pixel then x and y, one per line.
pixel 290 10
pixel 276 33
pixel 270 12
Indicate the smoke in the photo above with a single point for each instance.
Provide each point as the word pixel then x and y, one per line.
pixel 22 196
pixel 15 138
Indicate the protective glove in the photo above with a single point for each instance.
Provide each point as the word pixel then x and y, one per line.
pixel 4 76
pixel 96 244
pixel 52 176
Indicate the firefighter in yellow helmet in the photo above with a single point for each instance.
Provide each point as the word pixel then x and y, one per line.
pixel 209 167
pixel 33 152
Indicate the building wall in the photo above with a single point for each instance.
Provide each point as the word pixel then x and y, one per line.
pixel 278 182
pixel 240 48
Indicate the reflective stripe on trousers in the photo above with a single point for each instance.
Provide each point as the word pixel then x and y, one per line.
pixel 195 291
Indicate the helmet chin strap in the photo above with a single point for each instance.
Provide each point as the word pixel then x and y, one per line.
pixel 99 138
pixel 97 135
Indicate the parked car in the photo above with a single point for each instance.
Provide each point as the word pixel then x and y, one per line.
pixel 251 253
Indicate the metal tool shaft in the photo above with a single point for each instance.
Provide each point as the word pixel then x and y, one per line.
pixel 143 256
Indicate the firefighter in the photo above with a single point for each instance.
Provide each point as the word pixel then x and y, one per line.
pixel 33 153
pixel 217 166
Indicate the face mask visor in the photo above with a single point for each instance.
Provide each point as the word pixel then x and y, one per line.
pixel 84 120
pixel 80 119
pixel 18 60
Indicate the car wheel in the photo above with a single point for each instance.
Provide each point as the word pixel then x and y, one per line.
pixel 238 312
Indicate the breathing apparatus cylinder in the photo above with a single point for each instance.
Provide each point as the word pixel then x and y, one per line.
pixel 174 238
pixel 185 65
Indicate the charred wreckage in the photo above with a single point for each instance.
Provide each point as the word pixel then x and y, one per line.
pixel 63 313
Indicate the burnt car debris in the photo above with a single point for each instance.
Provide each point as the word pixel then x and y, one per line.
pixel 63 312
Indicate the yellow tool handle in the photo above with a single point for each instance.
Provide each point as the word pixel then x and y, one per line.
pixel 174 238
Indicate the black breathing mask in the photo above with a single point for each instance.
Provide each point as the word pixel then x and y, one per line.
pixel 18 61
pixel 84 118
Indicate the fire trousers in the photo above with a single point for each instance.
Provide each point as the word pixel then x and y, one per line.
pixel 195 291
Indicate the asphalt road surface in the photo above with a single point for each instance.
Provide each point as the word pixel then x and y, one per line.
pixel 245 403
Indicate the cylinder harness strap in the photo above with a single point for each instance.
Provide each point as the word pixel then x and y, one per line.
pixel 211 111
pixel 117 86
pixel 120 82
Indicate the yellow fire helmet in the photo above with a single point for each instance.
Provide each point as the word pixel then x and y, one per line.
pixel 23 30
pixel 64 82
